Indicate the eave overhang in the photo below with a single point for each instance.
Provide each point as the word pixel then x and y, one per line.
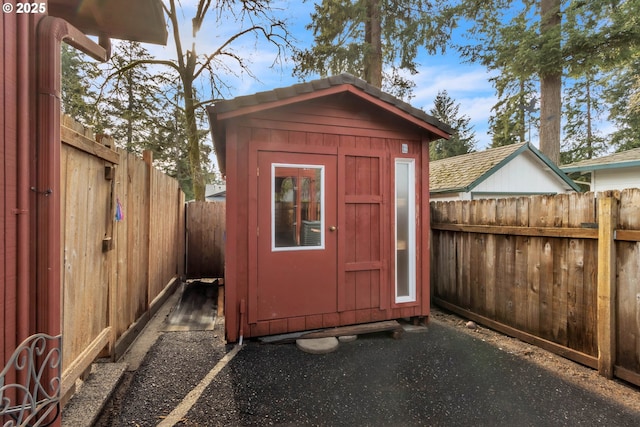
pixel 136 20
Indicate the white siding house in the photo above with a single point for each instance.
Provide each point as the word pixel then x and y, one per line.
pixel 508 171
pixel 613 172
pixel 215 192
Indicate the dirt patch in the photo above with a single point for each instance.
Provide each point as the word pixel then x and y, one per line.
pixel 582 376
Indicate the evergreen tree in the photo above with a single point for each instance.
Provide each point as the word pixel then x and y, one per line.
pixel 545 38
pixel 132 100
pixel 582 108
pixel 168 142
pixel 623 96
pixel 141 110
pixel 78 97
pixel 508 38
pixel 367 37
pixel 463 140
pixel 515 113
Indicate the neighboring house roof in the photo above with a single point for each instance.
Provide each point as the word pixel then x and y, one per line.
pixel 215 190
pixel 465 172
pixel 139 20
pixel 623 159
pixel 243 105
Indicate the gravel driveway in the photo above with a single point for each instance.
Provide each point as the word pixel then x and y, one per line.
pixel 439 376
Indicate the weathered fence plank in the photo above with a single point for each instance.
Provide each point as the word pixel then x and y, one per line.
pixel 533 268
pixel 628 286
pixel 109 275
pixel 205 239
pixel 607 219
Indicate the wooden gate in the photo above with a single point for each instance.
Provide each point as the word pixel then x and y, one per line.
pixel 87 240
pixel 205 239
pixel 122 245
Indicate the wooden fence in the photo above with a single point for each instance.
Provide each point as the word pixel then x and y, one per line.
pixel 205 239
pixel 122 246
pixel 560 272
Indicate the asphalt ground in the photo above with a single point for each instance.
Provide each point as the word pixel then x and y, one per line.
pixel 439 376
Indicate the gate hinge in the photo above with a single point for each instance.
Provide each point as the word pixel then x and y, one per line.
pixel 258 171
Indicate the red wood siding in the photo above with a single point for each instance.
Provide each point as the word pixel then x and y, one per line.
pixel 8 183
pixel 364 220
pixel 366 142
pixel 337 115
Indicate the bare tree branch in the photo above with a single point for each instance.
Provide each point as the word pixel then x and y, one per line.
pixel 173 17
pixel 138 62
pixel 219 51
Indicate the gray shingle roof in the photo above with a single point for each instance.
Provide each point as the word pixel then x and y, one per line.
pixel 616 160
pixel 459 173
pixel 463 173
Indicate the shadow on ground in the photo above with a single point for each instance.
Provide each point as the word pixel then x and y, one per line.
pixel 434 376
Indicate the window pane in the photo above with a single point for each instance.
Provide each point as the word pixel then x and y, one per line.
pixel 297 206
pixel 405 231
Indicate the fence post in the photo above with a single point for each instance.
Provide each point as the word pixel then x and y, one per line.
pixel 606 319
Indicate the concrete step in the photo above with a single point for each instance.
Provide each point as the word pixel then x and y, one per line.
pixel 91 395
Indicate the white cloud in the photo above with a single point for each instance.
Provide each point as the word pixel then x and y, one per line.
pixel 478 108
pixel 454 78
pixel 467 86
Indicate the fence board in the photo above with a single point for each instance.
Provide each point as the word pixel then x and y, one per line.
pixel 520 278
pixel 532 266
pixel 464 244
pixel 165 250
pixel 628 270
pixel 205 239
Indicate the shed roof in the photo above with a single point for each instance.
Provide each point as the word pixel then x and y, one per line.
pixel 465 172
pixel 137 20
pixel 622 159
pixel 243 105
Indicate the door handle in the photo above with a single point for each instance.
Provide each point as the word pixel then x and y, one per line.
pixel 333 228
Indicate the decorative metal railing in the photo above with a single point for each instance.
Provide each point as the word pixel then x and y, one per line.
pixel 34 400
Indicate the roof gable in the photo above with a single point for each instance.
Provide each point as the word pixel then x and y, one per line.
pixel 225 110
pixel 462 173
pixel 465 172
pixel 301 92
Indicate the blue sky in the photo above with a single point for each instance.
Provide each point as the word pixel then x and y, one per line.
pixel 468 85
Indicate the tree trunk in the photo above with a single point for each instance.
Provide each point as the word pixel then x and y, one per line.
pixel 193 142
pixel 130 109
pixel 373 39
pixel 522 114
pixel 589 119
pixel 551 83
pixel 550 106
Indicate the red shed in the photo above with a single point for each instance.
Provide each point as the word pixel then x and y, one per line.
pixel 327 206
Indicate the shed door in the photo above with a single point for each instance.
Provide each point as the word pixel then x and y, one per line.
pixel 297 235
